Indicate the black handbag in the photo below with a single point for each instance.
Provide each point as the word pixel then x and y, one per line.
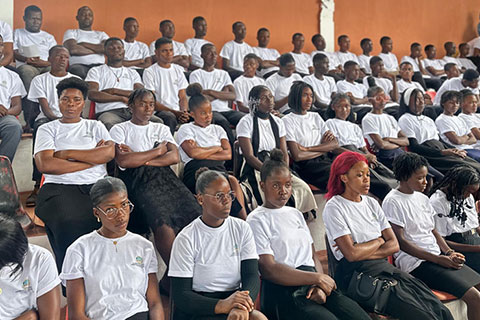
pixel 371 293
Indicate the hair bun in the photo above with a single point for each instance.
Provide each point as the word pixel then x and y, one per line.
pixel 200 171
pixel 195 89
pixel 276 155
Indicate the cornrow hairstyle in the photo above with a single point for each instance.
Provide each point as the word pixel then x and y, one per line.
pixel 205 178
pixel 406 164
pixel 104 187
pixel 295 95
pixel 13 244
pixel 194 91
pixel 273 163
pixel 72 83
pixel 139 94
pixel 405 62
pixel 453 185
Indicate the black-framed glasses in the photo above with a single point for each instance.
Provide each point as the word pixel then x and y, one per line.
pixel 220 196
pixel 112 213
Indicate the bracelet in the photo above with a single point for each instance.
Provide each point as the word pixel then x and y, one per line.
pixel 449 252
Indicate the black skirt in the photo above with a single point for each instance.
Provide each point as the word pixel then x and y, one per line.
pixel 315 171
pixel 445 163
pixel 159 198
pixel 472 259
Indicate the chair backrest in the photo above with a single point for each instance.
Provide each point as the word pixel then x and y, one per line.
pixel 332 261
pixel 237 159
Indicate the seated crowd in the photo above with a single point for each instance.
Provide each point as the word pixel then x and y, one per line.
pixel 218 166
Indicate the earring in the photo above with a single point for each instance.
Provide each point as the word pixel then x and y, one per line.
pixel 98 219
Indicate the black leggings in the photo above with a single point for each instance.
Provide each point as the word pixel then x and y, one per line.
pixel 139 316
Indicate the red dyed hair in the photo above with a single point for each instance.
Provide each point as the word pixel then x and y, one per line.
pixel 341 165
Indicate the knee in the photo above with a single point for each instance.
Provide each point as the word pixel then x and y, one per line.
pixel 472 297
pixel 257 315
pixel 109 119
pixel 12 127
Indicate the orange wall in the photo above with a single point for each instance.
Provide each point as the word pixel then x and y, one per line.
pixel 407 21
pixel 282 17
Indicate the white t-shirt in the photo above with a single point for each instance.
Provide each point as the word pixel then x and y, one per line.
pixel 333 63
pixel 358 90
pixel 447 59
pixel 209 136
pixel 268 54
pixel 212 256
pixel 265 132
pixel 280 86
pixel 10 86
pixel 363 221
pixel 364 62
pixel 466 63
pixel 243 85
pixel 42 40
pixel 194 48
pixel 454 84
pixel 115 273
pixel 213 80
pixel 403 85
pixel 390 61
pixel 20 292
pixel 108 77
pixel 382 124
pixel 6 32
pixel 347 133
pixel 302 62
pixel 454 124
pixel 45 86
pixel 282 233
pixel 343 57
pixel 420 127
pixel 306 130
pixel 178 49
pixel 235 52
pixel 322 88
pixel 472 120
pixel 413 62
pixel 434 63
pixel 166 83
pixel 135 50
pixel 446 225
pixel 414 214
pixel 93 37
pixel 81 135
pixel 385 84
pixel 140 138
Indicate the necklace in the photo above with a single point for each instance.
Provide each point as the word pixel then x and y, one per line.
pixel 115 242
pixel 115 74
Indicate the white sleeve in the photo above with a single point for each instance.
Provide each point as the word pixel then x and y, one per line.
pixel 335 223
pixel 47 276
pixel 69 34
pixel 260 233
pixel 152 48
pixel 244 128
pixel 221 133
pixel 184 133
pixel 272 85
pixel 182 80
pixel 117 134
pixel 360 139
pixel 93 75
pixel 104 36
pixel 444 125
pixel 369 126
pixel 442 210
pixel 7 33
pixel 195 78
pixel 181 259
pixel 101 132
pixel 166 135
pixel 239 92
pixel 15 39
pixel 247 249
pixel 17 87
pixel 380 214
pixel 153 263
pixel 226 51
pixel 290 132
pixel 394 212
pixel 281 127
pixel 45 140
pixel 333 86
pixel 52 41
pixel 226 79
pixel 36 89
pixel 72 267
pixel 406 127
pixel 341 87
pixel 149 79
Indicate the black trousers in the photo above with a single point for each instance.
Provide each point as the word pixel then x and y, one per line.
pixel 226 118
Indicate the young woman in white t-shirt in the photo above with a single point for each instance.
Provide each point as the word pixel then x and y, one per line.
pixel 71 152
pixel 145 151
pixel 350 137
pixel 29 283
pixel 111 273
pixel 308 139
pixel 204 144
pixel 293 283
pixel 361 239
pixel 469 113
pixel 214 264
pixel 456 216
pixel 423 136
pixel 258 133
pixel 454 129
pixel 424 253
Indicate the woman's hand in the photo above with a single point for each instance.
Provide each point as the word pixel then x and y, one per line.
pixel 316 294
pixel 239 300
pixel 454 152
pixel 238 314
pixel 372 160
pixel 449 262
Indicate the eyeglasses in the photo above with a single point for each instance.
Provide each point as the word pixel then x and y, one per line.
pixel 112 213
pixel 220 196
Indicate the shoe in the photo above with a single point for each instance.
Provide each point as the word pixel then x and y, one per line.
pixel 32 198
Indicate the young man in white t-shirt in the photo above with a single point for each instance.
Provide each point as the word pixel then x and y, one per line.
pixel 364 59
pixel 280 82
pixel 31 47
pixel 234 51
pixel 324 87
pixel 194 45
pixel 343 55
pixel 466 63
pixel 85 45
pixel 406 74
pixel 420 73
pixel 180 54
pixel 269 56
pixel 356 91
pixel 303 62
pixel 247 81
pixel 433 66
pixel 167 80
pixel 218 88
pixel 389 59
pixel 383 79
pixel 7 34
pixel 111 84
pixel 334 68
pixel 137 55
pixel 451 70
pixel 469 80
pixel 450 50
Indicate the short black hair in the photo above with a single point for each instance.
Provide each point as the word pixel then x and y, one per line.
pixel 206 46
pixel 128 19
pixel 273 163
pixel 262 30
pixel 428 47
pixel 373 91
pixel 450 95
pixel 330 113
pixel 251 56
pixel 448 66
pixel 163 22
pixel 374 60
pixel 32 8
pixel 364 41
pixel 162 41
pixel 384 39
pixel 447 43
pixel 319 57
pixel 55 48
pixel 414 45
pixel 13 244
pixel 296 34
pixel 341 37
pixel 349 64
pixel 295 95
pixel 461 45
pixel 73 83
pixel 236 23
pixel 315 37
pixel 197 19
pixel 405 62
pixel 112 39
pixel 285 59
pixel 467 93
pixel 406 164
pixel 138 94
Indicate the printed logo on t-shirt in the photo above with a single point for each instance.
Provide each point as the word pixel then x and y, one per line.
pixel 1 291
pixel 26 286
pixel 138 262
pixel 236 250
pixel 4 84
